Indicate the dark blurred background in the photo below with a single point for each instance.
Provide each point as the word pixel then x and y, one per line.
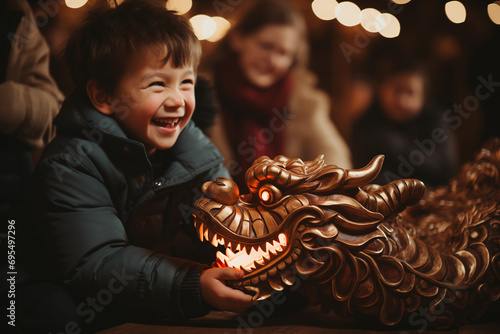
pixel 455 53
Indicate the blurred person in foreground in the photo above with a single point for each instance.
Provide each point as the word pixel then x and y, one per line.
pixel 30 100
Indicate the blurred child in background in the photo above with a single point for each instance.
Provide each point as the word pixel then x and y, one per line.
pixel 404 126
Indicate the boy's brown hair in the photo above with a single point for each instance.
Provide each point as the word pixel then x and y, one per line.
pixel 100 48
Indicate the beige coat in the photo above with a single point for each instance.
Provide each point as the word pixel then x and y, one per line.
pixel 309 130
pixel 30 97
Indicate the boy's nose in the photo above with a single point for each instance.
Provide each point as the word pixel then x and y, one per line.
pixel 174 100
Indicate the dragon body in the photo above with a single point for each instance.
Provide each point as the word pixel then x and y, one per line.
pixel 390 253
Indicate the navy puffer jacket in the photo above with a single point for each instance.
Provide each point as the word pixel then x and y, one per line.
pixel 117 224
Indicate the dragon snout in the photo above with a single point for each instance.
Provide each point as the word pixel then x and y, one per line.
pixel 222 190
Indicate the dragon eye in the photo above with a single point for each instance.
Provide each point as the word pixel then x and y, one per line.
pixel 265 195
pixel 269 194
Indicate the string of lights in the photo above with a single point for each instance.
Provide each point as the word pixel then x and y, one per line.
pixel 213 28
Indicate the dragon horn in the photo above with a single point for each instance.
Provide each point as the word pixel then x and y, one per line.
pixel 392 197
pixel 362 176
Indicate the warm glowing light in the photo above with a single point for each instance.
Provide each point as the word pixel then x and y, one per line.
pixel 455 11
pixel 494 12
pixel 180 6
pixel 282 239
pixel 401 2
pixel 75 3
pixel 348 13
pixel 204 26
pixel 389 25
pixel 324 9
pixel 221 28
pixel 247 257
pixel 368 16
pixel 265 196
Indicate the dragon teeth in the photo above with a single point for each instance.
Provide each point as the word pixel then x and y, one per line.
pixel 210 235
pixel 229 252
pixel 253 252
pixel 215 242
pixel 222 259
pixel 266 247
pixel 282 239
pixel 260 250
pixel 277 246
pixel 200 231
pixel 248 248
pixel 247 257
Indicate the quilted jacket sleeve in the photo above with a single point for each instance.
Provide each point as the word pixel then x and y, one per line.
pixel 89 248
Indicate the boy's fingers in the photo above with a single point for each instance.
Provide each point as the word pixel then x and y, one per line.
pixel 239 301
pixel 244 298
pixel 229 273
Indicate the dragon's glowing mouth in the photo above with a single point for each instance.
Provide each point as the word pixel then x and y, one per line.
pixel 242 256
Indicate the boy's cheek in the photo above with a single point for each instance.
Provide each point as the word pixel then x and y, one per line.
pixel 190 103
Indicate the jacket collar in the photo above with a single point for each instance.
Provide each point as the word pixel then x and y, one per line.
pixel 78 113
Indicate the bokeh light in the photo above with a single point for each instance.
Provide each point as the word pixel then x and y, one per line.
pixel 455 11
pixel 204 26
pixel 75 3
pixel 180 6
pixel 221 28
pixel 348 13
pixel 400 2
pixel 368 16
pixel 324 9
pixel 494 12
pixel 389 25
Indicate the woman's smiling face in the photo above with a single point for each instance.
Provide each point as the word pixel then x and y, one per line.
pixel 267 55
pixel 160 100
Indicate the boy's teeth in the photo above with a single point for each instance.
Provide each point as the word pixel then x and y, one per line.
pixel 162 122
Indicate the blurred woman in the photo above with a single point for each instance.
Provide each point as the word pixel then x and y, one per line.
pixel 269 102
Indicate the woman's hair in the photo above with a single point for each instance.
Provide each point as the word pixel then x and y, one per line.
pixel 264 13
pixel 268 12
pixel 101 47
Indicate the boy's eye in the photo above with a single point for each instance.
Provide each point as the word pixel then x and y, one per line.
pixel 157 83
pixel 187 81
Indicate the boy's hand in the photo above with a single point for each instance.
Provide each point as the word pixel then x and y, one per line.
pixel 219 295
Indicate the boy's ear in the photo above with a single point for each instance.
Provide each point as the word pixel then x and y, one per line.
pixel 99 98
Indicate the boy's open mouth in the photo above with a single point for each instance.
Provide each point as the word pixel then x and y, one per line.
pixel 166 122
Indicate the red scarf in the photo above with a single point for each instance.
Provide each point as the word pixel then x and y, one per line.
pixel 251 119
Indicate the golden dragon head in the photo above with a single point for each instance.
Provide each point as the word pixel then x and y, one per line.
pixel 293 212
